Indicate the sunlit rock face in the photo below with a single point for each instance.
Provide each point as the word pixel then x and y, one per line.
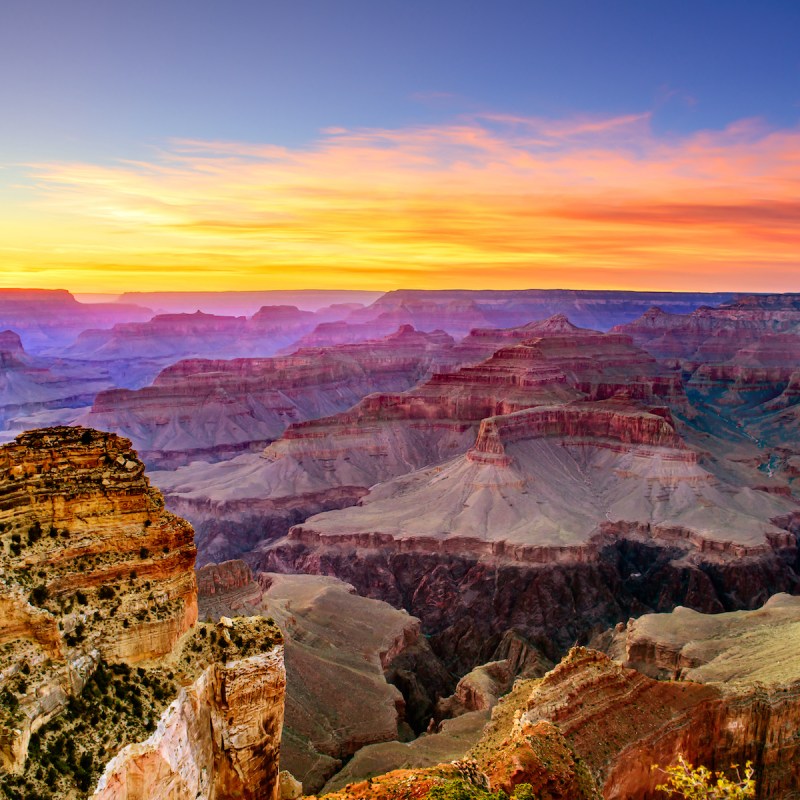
pixel 99 634
pixel 344 653
pixel 728 692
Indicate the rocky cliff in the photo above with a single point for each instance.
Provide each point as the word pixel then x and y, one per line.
pixel 33 384
pixel 208 410
pixel 714 333
pixel 559 520
pixel 331 462
pixel 503 308
pixel 594 727
pixel 98 631
pixel 51 318
pixel 330 632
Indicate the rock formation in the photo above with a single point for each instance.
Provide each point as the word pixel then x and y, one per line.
pixel 737 701
pixel 330 632
pixel 459 311
pixel 714 333
pixel 174 336
pixel 331 462
pixel 98 634
pixel 246 303
pixel 213 409
pixel 47 318
pixel 740 364
pixel 31 385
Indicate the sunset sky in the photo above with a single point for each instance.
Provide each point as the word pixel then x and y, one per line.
pixel 382 144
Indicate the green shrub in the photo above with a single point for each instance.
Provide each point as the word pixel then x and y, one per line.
pixel 39 595
pixel 699 783
pixel 106 593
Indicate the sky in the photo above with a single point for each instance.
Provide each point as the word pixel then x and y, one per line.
pixel 378 145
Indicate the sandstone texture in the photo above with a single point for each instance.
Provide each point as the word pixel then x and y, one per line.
pixel 593 727
pixel 219 738
pixel 98 634
pixel 621 723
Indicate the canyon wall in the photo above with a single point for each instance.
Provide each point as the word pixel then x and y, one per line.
pixel 99 632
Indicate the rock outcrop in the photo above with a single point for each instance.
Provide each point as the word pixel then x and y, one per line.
pixel 98 634
pixel 330 632
pixel 740 364
pixel 219 739
pixel 714 333
pixel 593 727
pixel 331 462
pixel 213 409
pixel 737 697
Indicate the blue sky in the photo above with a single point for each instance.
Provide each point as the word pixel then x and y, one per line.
pixel 107 78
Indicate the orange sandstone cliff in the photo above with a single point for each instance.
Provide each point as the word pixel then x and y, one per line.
pixel 101 655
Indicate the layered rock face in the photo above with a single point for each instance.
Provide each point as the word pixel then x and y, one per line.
pixel 587 308
pixel 459 311
pixel 331 462
pixel 209 410
pixel 98 634
pixel 340 648
pixel 12 354
pixel 737 699
pixel 740 362
pixel 31 385
pixel 219 739
pixel 595 727
pixel 52 318
pixel 714 333
pixel 620 724
pixel 560 519
pixel 78 516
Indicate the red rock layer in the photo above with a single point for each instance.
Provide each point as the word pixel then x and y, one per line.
pixel 85 517
pixel 211 409
pixel 12 353
pixel 714 333
pixel 609 424
pixel 621 723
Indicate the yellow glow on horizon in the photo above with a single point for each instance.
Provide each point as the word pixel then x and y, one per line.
pixel 486 202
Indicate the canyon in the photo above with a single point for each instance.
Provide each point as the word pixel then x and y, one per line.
pixel 332 461
pixel 210 410
pixel 330 632
pixel 439 496
pixel 715 689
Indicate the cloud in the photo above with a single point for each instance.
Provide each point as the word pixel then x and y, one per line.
pixel 486 200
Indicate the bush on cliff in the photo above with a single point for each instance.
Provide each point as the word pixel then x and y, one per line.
pixel 699 783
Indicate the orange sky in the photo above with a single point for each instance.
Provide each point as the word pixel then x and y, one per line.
pixel 488 201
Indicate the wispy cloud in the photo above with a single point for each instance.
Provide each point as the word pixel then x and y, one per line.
pixel 487 200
